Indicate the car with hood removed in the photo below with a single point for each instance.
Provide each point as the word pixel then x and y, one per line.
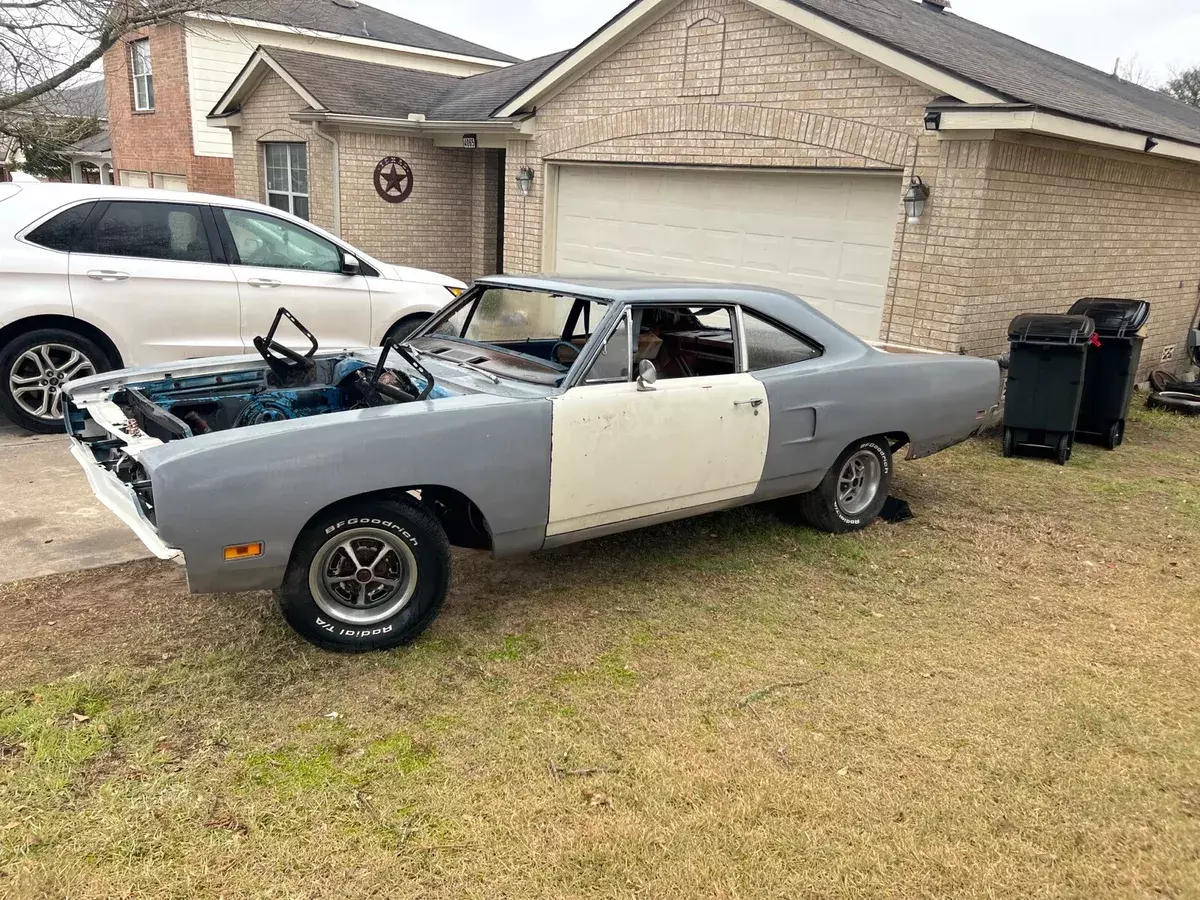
pixel 530 413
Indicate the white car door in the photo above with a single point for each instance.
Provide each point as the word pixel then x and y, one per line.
pixel 148 275
pixel 279 263
pixel 621 454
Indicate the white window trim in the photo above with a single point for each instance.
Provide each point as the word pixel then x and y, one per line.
pixel 289 193
pixel 146 78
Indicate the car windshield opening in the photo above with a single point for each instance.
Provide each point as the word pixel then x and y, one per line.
pixel 527 335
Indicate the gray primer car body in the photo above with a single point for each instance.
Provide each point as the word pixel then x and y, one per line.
pixel 492 442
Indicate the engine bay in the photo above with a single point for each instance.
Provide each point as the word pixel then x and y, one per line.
pixel 289 386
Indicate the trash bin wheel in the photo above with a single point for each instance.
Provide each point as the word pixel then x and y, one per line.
pixel 1010 443
pixel 1063 455
pixel 1115 436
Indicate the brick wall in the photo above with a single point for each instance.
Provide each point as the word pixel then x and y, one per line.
pixel 1060 221
pixel 446 225
pixel 431 229
pixel 1010 227
pixel 159 141
pixel 784 98
pixel 266 117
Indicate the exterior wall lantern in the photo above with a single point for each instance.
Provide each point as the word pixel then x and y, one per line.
pixel 525 180
pixel 914 200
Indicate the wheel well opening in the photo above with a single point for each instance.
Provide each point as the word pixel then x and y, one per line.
pixel 898 441
pixel 462 520
pixel 33 323
pixel 412 322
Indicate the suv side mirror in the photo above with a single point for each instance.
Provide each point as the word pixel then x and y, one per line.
pixel 350 265
pixel 647 376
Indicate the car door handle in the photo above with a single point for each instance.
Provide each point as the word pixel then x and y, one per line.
pixel 264 283
pixel 755 404
pixel 107 275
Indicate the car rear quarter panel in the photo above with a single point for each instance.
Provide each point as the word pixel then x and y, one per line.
pixel 266 483
pixel 818 409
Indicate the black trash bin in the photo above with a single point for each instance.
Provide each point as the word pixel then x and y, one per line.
pixel 1045 382
pixel 1111 367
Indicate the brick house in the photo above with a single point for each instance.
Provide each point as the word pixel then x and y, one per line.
pixel 163 80
pixel 769 141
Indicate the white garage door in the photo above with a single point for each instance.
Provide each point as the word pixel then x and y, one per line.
pixel 825 237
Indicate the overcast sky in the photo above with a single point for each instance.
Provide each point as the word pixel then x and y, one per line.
pixel 1160 33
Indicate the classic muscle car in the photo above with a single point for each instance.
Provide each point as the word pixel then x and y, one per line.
pixel 531 412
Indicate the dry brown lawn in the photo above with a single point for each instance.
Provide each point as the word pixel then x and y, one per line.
pixel 999 699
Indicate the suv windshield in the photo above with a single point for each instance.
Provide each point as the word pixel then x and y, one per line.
pixel 532 336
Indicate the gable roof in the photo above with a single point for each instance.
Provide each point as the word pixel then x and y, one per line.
pixel 355 19
pixel 354 87
pixel 1018 71
pixel 479 96
pixel 951 55
pixel 333 84
pixel 87 100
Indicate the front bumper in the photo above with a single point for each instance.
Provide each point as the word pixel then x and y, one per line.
pixel 121 501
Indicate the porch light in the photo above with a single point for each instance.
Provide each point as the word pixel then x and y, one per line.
pixel 933 121
pixel 525 180
pixel 914 200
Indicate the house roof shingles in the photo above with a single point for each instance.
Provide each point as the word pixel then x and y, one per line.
pixel 479 96
pixel 354 19
pixel 354 87
pixel 1019 71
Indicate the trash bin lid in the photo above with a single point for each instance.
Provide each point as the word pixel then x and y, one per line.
pixel 1045 328
pixel 1114 318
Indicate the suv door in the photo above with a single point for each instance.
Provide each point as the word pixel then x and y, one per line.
pixel 279 263
pixel 153 277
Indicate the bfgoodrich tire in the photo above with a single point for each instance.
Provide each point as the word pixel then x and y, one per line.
pixel 33 369
pixel 368 576
pixel 854 490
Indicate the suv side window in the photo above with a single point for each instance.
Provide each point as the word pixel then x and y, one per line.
pixel 768 346
pixel 169 231
pixel 61 232
pixel 273 243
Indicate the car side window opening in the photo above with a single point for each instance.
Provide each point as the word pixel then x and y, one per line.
pixel 685 341
pixel 168 231
pixel 266 241
pixel 61 232
pixel 769 346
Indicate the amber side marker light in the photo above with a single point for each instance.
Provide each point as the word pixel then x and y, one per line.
pixel 243 551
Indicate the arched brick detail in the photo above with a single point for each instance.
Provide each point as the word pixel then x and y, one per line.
pixel 705 15
pixel 846 136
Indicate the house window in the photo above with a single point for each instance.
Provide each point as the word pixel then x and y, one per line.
pixel 287 177
pixel 143 78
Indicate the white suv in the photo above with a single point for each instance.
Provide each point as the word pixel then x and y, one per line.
pixel 95 278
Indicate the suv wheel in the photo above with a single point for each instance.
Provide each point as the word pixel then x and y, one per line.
pixel 33 370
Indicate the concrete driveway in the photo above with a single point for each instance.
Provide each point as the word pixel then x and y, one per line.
pixel 49 521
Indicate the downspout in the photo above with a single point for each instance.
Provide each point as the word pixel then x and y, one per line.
pixel 337 176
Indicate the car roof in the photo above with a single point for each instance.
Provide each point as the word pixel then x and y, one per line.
pixel 52 195
pixel 634 288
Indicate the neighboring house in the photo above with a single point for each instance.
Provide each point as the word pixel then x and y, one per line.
pixel 90 157
pixel 768 141
pixel 163 80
